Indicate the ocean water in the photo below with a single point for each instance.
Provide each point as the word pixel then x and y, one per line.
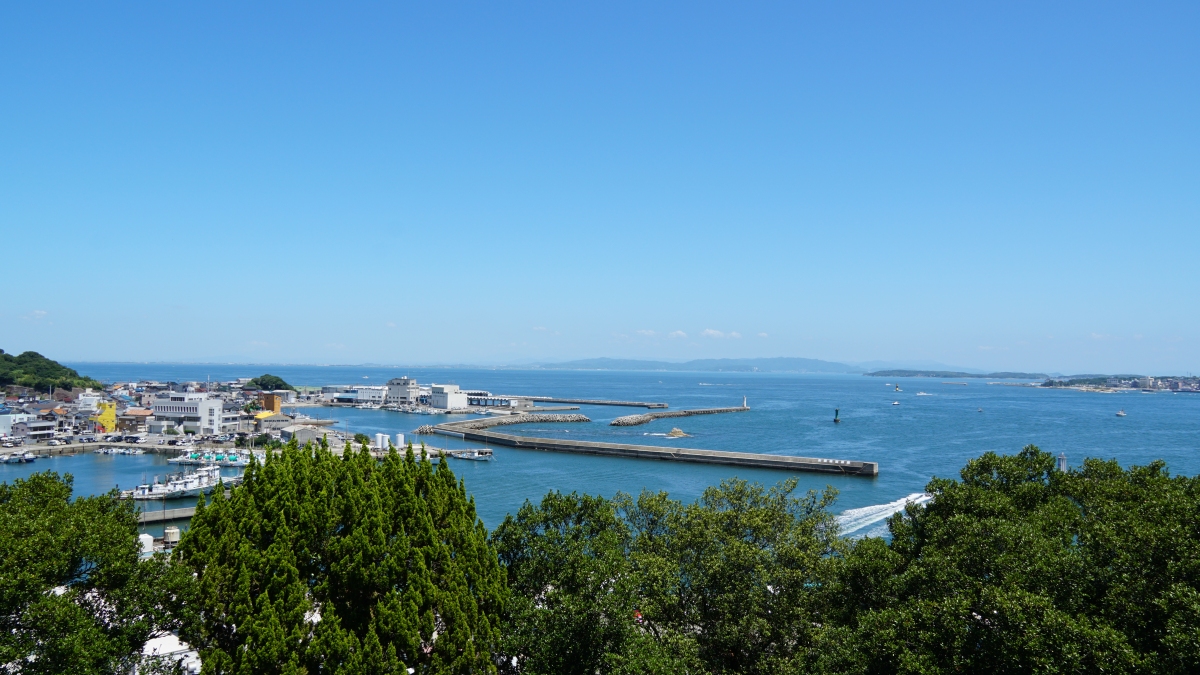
pixel 791 414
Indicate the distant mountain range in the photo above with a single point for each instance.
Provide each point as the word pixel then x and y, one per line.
pixel 768 365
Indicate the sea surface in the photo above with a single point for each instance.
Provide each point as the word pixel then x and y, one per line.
pixel 791 414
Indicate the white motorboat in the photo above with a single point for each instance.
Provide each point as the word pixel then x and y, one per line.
pixel 474 455
pixel 202 481
pixel 1120 413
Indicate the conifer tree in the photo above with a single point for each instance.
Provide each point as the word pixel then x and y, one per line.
pixel 326 564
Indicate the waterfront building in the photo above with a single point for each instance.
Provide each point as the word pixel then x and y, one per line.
pixel 303 433
pixel 402 391
pixel 34 429
pixel 270 421
pixel 191 411
pixel 8 419
pixel 447 397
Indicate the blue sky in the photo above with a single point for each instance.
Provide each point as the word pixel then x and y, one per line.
pixel 1014 185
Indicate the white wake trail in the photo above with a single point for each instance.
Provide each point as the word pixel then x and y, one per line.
pixel 855 520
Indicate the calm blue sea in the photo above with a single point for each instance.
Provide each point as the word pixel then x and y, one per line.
pixel 791 414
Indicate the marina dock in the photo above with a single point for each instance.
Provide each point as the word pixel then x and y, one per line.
pixel 780 462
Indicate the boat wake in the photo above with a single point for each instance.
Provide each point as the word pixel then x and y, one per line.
pixel 868 521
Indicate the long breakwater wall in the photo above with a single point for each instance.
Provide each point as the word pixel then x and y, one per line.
pixel 634 420
pixel 843 467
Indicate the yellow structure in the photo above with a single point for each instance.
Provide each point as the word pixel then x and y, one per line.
pixel 106 417
pixel 271 402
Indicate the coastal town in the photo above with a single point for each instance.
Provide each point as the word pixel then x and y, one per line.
pixel 233 412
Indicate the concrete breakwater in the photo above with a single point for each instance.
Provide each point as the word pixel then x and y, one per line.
pixel 634 420
pixel 593 401
pixel 528 418
pixel 843 467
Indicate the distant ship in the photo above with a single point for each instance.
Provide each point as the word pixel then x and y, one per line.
pixel 1120 413
pixel 898 388
pixel 895 402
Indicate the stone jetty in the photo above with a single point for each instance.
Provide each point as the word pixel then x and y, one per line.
pixel 634 420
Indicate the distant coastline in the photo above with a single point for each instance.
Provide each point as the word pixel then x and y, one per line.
pixel 949 374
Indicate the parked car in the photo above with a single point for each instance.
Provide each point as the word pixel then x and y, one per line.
pixel 53 441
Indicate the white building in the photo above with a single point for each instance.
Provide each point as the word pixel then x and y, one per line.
pixel 7 421
pixel 402 391
pixel 447 397
pixel 195 412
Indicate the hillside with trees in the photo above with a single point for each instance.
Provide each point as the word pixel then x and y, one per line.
pixel 39 373
pixel 268 382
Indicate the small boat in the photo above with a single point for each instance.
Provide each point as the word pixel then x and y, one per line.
pixel 895 402
pixel 898 388
pixel 1120 413
pixel 28 456
pixel 203 481
pixel 473 455
pixel 836 420
pixel 981 410
pixel 921 393
pixel 14 458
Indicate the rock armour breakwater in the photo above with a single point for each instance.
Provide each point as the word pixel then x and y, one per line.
pixel 635 420
pixel 526 418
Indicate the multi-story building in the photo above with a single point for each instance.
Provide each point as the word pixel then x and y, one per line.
pixel 191 411
pixel 402 391
pixel 447 397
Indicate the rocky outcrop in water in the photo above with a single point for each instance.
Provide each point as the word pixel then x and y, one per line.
pixel 424 429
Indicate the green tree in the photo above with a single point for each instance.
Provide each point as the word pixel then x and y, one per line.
pixel 268 382
pixel 321 564
pixel 1018 568
pixel 73 595
pixel 654 585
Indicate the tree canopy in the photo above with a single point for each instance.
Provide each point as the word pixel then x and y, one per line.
pixel 321 564
pixel 352 564
pixel 73 595
pixel 268 382
pixel 39 373
pixel 654 585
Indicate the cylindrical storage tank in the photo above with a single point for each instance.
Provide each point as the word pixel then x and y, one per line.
pixel 381 441
pixel 399 440
pixel 171 535
pixel 147 543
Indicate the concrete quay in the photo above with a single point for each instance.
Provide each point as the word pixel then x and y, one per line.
pixel 635 420
pixel 780 462
pixel 589 401
pixel 166 515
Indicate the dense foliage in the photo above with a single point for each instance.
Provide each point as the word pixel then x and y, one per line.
pixel 73 596
pixel 37 372
pixel 268 382
pixel 654 585
pixel 1019 568
pixel 325 564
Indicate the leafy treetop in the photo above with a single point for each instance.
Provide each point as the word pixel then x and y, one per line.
pixel 268 382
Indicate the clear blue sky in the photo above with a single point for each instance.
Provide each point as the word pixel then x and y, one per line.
pixel 1013 185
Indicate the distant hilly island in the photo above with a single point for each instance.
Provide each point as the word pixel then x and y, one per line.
pixel 771 365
